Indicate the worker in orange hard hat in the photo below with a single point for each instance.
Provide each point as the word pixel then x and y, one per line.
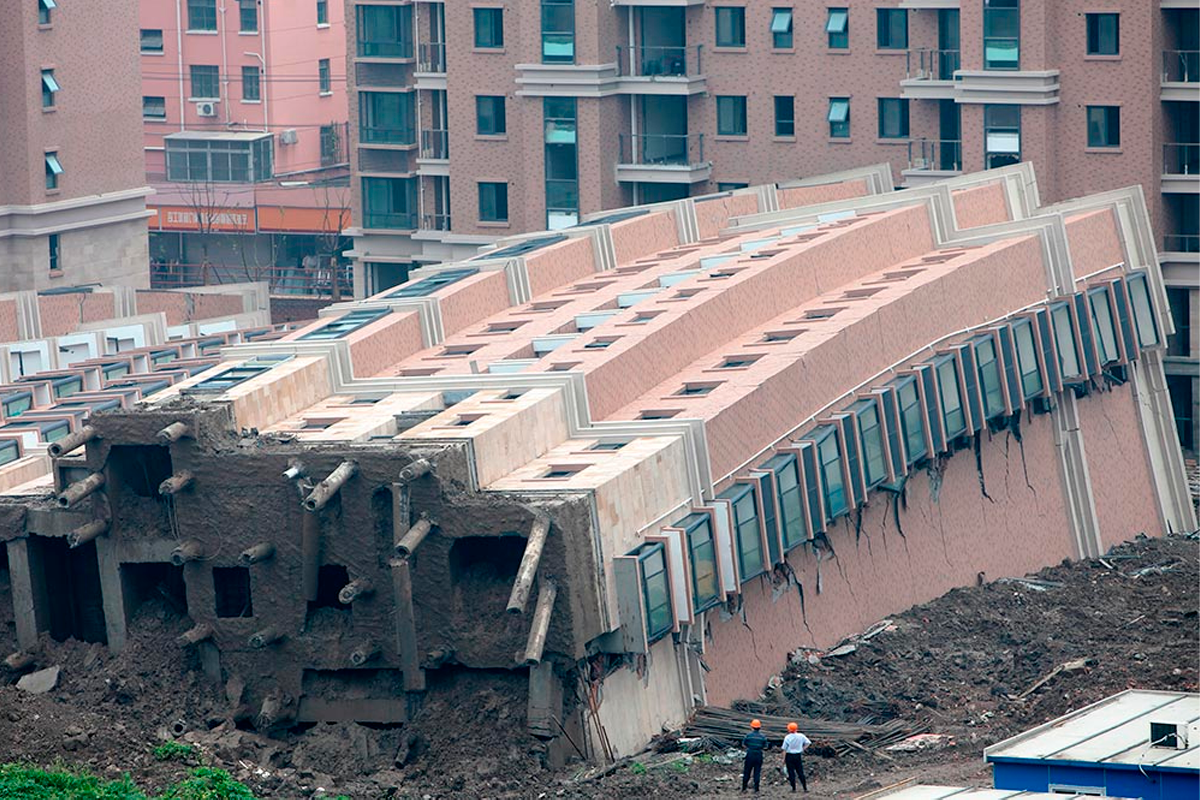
pixel 755 743
pixel 793 745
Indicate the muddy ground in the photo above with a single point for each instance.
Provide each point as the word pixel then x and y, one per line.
pixel 956 663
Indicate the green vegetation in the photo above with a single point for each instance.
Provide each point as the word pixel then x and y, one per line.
pixel 26 782
pixel 175 751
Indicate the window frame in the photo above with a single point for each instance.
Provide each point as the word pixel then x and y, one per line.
pixel 322 12
pixel 645 554
pixel 1143 310
pixel 255 82
pixel 198 11
pixel 498 122
pixel 1108 346
pixel 207 72
pixel 837 36
pixel 565 37
pixel 944 378
pixel 152 117
pixel 791 520
pixel 1062 323
pixel 54 169
pixel 991 10
pixel 904 412
pixel 733 20
pixel 50 88
pixel 838 129
pixel 739 110
pixel 248 12
pixel 788 123
pixel 142 42
pixel 904 131
pixel 821 437
pixel 745 492
pixel 1095 35
pixel 996 374
pixel 1002 157
pixel 1026 324
pixel 54 244
pixel 690 525
pixel 496 41
pixel 498 198
pixel 784 39
pixel 1103 127
pixel 45 7
pixel 862 410
pixel 324 77
pixel 884 29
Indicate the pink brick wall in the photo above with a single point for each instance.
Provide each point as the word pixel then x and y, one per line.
pixel 173 304
pixel 641 236
pixel 559 265
pixel 64 313
pixel 473 299
pixel 980 205
pixel 798 196
pixel 8 320
pixel 712 215
pixel 1094 242
pixel 384 342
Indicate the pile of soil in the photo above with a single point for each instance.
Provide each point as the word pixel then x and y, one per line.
pixel 959 663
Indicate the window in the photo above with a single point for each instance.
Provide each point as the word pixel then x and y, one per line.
pixel 656 589
pixel 322 12
pixel 1103 34
pixel 558 31
pixel 837 28
pixel 1104 126
pixel 53 170
pixel 390 203
pixel 202 15
pixel 731 115
pixel 833 481
pixel 839 117
pixel 489 27
pixel 151 40
pixel 489 115
pixel 731 26
pixel 10 451
pixel 870 434
pixel 1001 135
pixel 493 202
pixel 49 88
pixel 1179 387
pixel 702 550
pixel 744 504
pixel 18 405
pixel 893 118
pixel 781 28
pixel 44 9
pixel 1106 331
pixel 912 418
pixel 1001 34
pixel 891 28
pixel 154 108
pixel 791 498
pixel 206 82
pixel 1064 338
pixel 1180 304
pixel 1143 310
pixel 324 78
pixel 954 417
pixel 386 117
pixel 220 160
pixel 248 16
pixel 729 187
pixel 251 85
pixel 1027 362
pixel 385 31
pixel 55 252
pixel 785 115
pixel 560 131
pixel 332 150
pixel 988 367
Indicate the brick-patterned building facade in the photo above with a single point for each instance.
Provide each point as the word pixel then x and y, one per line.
pixel 478 120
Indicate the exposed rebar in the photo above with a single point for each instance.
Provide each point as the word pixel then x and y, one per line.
pixel 529 564
pixel 326 489
pixel 415 470
pixel 191 550
pixel 266 636
pixel 71 441
pixel 85 533
pixel 263 551
pixel 80 489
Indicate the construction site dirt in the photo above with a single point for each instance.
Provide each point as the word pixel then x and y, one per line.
pixel 967 667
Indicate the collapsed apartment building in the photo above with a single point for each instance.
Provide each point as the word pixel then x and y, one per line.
pixel 639 460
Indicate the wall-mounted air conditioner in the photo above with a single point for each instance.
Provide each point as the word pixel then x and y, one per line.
pixel 1169 735
pixel 206 109
pixel 288 136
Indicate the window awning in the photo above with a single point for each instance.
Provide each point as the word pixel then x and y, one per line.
pixel 839 110
pixel 48 4
pixel 837 21
pixel 53 164
pixel 781 20
pixel 48 81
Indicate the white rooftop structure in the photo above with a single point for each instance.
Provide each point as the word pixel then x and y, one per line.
pixel 923 792
pixel 1116 731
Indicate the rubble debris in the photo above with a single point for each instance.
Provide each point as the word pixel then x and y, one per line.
pixel 40 682
pixel 1070 666
pixel 922 741
pixel 1031 583
pixel 724 727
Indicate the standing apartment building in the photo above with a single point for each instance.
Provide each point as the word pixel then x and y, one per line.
pixel 484 119
pixel 244 109
pixel 72 186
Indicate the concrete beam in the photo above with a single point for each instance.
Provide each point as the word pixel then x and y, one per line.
pixel 406 627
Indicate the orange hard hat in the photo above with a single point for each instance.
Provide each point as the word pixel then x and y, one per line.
pixel 755 724
pixel 793 727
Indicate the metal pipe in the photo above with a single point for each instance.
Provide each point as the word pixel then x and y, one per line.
pixel 547 591
pixel 359 587
pixel 85 533
pixel 254 555
pixel 176 483
pixel 195 635
pixel 529 564
pixel 416 534
pixel 363 653
pixel 295 470
pixel 173 432
pixel 80 489
pixel 326 489
pixel 415 470
pixel 191 550
pixel 266 636
pixel 71 441
pixel 310 555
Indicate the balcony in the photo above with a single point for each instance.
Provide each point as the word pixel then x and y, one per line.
pixel 650 3
pixel 654 69
pixel 931 160
pixel 435 145
pixel 435 222
pixel 1180 258
pixel 431 58
pixel 396 222
pixel 1024 87
pixel 398 135
pixel 663 158
pixel 1181 76
pixel 1181 168
pixel 929 5
pixel 930 74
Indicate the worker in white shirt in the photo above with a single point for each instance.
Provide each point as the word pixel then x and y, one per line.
pixel 793 745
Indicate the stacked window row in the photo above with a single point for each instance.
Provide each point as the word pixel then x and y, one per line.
pixel 892 430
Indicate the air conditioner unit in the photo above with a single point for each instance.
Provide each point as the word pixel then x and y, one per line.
pixel 206 109
pixel 1169 735
pixel 289 136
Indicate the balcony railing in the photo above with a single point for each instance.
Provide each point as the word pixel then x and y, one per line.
pixel 324 281
pixel 927 64
pixel 403 222
pixel 435 144
pixel 385 134
pixel 431 57
pixel 1181 243
pixel 935 155
pixel 385 49
pixel 1181 66
pixel 650 61
pixel 435 222
pixel 662 150
pixel 1181 159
